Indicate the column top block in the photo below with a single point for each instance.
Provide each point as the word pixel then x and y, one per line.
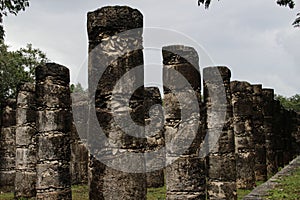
pixel 111 20
pixel 257 89
pixel 241 86
pixel 180 54
pixel 222 71
pixel 54 70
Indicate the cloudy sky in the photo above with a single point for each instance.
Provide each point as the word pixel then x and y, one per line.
pixel 254 38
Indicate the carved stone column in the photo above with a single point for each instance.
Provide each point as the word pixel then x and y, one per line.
pixel 115 50
pixel 154 133
pixel 26 142
pixel 185 174
pixel 221 158
pixel 7 146
pixel 54 127
pixel 268 108
pixel 242 102
pixel 258 132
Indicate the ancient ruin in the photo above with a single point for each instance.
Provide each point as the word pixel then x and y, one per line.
pixel 154 132
pixel 121 137
pixel 244 136
pixel 7 145
pixel 221 162
pixel 26 142
pixel 115 49
pixel 185 173
pixel 53 104
pixel 259 136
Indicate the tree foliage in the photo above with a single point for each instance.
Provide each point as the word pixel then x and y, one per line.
pixel 289 3
pixel 296 23
pixel 12 7
pixel 292 103
pixel 77 88
pixel 17 67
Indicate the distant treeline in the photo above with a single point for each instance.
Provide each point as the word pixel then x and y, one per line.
pixel 292 102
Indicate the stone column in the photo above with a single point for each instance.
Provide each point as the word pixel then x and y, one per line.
pixel 53 132
pixel 79 152
pixel 295 134
pixel 117 167
pixel 8 146
pixel 26 144
pixel 221 158
pixel 258 132
pixel 154 133
pixel 185 173
pixel 243 130
pixel 279 133
pixel 268 99
pixel 287 122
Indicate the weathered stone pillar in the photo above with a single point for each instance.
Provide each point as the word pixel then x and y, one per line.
pixel 7 146
pixel 79 152
pixel 287 122
pixel 53 136
pixel 185 174
pixel 221 158
pixel 259 136
pixel 268 108
pixel 154 133
pixel 26 143
pixel 295 134
pixel 117 167
pixel 279 134
pixel 243 130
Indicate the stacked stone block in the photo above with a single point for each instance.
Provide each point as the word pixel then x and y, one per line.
pixel 7 146
pixel 295 133
pixel 287 122
pixel 26 143
pixel 258 132
pixel 53 132
pixel 221 158
pixel 278 131
pixel 154 132
pixel 115 48
pixel 268 111
pixel 79 152
pixel 185 173
pixel 79 160
pixel 242 95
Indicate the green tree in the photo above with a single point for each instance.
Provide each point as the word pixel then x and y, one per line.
pixel 289 3
pixel 17 67
pixel 76 88
pixel 292 103
pixel 12 7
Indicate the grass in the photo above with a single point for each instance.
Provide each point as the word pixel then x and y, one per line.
pixel 288 188
pixel 6 196
pixel 80 192
pixel 156 193
pixel 241 193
